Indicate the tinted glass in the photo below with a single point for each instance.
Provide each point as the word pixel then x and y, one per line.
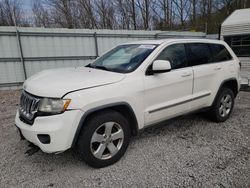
pixel 175 54
pixel 220 53
pixel 239 44
pixel 199 53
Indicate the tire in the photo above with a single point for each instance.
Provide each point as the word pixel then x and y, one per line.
pixel 104 138
pixel 222 106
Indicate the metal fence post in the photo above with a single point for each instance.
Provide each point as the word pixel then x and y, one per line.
pixel 21 53
pixel 96 45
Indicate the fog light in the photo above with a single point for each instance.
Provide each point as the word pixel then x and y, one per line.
pixel 44 138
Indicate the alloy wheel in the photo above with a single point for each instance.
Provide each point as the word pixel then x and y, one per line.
pixel 225 105
pixel 107 140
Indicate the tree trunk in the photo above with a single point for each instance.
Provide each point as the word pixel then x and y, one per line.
pixel 133 14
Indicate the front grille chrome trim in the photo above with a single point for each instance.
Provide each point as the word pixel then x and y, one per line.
pixel 28 106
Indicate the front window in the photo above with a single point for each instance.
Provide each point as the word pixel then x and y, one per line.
pixel 175 54
pixel 124 58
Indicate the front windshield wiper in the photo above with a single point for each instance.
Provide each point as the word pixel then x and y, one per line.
pixel 98 67
pixel 89 65
pixel 101 67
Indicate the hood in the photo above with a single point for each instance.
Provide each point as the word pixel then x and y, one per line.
pixel 57 82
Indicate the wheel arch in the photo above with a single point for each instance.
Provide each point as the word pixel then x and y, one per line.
pixel 230 83
pixel 122 107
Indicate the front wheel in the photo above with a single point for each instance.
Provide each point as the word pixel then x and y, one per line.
pixel 223 105
pixel 104 139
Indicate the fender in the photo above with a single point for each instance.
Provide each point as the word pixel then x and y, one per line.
pixel 222 83
pixel 107 106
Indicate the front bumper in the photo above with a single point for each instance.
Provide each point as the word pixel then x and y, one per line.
pixel 61 128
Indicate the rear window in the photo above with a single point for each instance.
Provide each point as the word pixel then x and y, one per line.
pixel 220 53
pixel 199 53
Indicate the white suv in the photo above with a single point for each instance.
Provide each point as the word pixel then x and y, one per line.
pixel 96 108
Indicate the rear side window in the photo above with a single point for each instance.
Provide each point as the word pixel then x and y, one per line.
pixel 175 54
pixel 220 53
pixel 199 53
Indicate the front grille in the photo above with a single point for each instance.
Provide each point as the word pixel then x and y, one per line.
pixel 28 106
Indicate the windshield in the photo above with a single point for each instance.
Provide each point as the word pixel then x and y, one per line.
pixel 123 58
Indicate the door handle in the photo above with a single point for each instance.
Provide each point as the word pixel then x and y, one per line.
pixel 217 68
pixel 185 74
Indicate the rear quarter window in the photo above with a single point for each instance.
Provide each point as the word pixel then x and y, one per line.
pixel 219 53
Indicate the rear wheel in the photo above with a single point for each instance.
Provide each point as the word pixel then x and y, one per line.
pixel 223 105
pixel 104 139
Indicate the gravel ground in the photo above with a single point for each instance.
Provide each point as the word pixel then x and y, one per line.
pixel 188 152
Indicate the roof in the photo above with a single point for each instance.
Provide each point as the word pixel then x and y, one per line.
pixel 240 16
pixel 159 41
pixel 169 40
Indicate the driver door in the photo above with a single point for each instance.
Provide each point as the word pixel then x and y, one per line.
pixel 169 94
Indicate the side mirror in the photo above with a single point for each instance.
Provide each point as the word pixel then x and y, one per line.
pixel 160 66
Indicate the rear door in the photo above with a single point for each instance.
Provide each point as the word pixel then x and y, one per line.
pixel 207 74
pixel 222 58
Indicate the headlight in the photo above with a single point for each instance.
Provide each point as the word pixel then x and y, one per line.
pixel 53 106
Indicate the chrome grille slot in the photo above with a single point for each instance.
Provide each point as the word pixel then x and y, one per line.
pixel 28 106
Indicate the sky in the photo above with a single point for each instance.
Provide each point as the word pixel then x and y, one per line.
pixel 27 7
pixel 27 4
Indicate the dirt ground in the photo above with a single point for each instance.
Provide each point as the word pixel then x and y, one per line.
pixel 190 151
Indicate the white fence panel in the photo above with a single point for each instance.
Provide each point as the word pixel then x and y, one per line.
pixel 33 67
pixel 11 72
pixel 26 51
pixel 8 47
